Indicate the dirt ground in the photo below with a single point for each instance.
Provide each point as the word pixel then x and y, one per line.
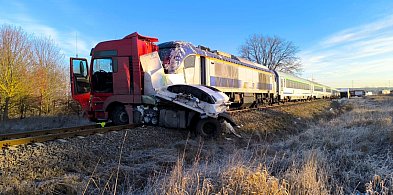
pixel 133 161
pixel 283 121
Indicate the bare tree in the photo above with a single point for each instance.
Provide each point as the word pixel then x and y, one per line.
pixel 47 73
pixel 273 52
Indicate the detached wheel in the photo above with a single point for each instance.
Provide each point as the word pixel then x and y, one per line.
pixel 208 128
pixel 120 116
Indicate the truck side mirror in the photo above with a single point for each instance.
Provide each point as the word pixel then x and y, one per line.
pixel 82 68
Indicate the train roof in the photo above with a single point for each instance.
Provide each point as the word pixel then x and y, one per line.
pixel 189 48
pixel 292 77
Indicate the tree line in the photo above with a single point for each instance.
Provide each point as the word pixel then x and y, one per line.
pixel 32 76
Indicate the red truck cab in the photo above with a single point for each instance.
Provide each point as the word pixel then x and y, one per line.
pixel 114 81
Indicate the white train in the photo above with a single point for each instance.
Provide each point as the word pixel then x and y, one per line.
pixel 246 83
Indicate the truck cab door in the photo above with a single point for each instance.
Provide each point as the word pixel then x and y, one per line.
pixel 80 81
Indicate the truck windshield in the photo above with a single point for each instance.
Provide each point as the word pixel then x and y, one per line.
pixel 102 65
pixel 102 78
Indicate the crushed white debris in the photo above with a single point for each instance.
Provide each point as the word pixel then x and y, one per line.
pixel 230 129
pixel 39 144
pixel 62 140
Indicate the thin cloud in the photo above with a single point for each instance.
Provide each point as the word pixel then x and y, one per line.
pixel 65 40
pixel 358 33
pixel 364 52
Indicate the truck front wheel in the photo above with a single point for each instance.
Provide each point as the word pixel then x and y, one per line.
pixel 120 116
pixel 208 128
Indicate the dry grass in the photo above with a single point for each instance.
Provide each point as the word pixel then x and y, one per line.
pixel 237 175
pixel 347 149
pixel 310 178
pixel 339 147
pixel 247 180
pixel 281 122
pixel 379 186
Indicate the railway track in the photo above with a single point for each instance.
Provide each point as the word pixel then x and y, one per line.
pixel 14 139
pixel 287 104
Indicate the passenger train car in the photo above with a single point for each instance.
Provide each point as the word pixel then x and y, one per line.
pixel 291 87
pixel 245 82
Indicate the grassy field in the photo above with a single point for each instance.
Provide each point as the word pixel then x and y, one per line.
pixel 338 148
pixel 323 147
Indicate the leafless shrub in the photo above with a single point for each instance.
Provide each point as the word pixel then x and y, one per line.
pixel 310 178
pixel 248 180
pixel 379 186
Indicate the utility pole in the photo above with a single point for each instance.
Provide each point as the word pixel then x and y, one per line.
pixel 352 84
pixel 76 44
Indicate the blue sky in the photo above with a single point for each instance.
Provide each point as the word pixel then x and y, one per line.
pixel 340 42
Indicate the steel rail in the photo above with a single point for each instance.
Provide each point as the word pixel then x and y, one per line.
pixel 53 134
pixel 287 104
pixel 44 132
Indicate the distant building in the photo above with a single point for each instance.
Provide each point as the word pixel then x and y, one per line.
pixel 344 93
pixel 358 93
pixel 369 93
pixel 385 91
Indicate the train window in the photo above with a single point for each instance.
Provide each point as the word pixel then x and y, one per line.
pixel 264 81
pixel 189 62
pixel 189 70
pixel 221 70
pixel 227 71
pixel 234 72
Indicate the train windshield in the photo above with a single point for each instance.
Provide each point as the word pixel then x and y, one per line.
pixel 165 57
pixel 171 55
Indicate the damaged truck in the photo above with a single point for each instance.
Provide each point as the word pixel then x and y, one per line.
pixel 126 84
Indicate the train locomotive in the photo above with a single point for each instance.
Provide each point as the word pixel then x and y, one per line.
pixel 247 84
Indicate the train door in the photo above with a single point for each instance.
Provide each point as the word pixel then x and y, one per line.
pixel 282 88
pixel 282 85
pixel 203 70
